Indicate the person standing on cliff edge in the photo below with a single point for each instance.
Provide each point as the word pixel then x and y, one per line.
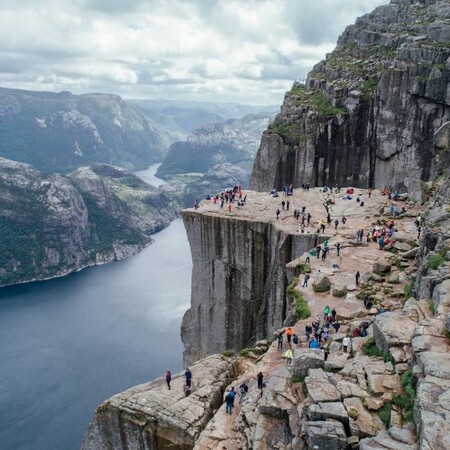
pixel 188 376
pixel 168 378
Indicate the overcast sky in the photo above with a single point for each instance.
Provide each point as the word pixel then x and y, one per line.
pixel 248 51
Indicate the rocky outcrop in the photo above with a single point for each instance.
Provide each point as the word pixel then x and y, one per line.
pixel 55 225
pixel 151 416
pixel 239 282
pixel 367 114
pixel 59 132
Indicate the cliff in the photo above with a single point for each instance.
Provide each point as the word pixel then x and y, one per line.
pixel 60 132
pixel 239 281
pixel 367 114
pixel 365 397
pixel 54 225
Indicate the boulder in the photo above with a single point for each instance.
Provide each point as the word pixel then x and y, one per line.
pixel 392 330
pixel 329 410
pixel 305 359
pixel 339 290
pixel 322 283
pixel 381 267
pixel 362 422
pixel 326 435
pixel 384 441
pixel 319 387
pixel 369 276
pixel 336 361
pixel 401 246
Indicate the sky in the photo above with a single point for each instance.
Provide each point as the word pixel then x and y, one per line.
pixel 246 51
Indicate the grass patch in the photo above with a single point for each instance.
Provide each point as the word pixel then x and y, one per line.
pixel 408 291
pixel 228 353
pixel 435 261
pixel 301 307
pixel 385 414
pixel 431 305
pixel 406 400
pixel 304 268
pixel 245 351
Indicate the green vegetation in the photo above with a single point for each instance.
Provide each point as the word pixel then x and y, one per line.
pixel 408 291
pixel 370 349
pixel 320 289
pixel 431 305
pixel 406 400
pixel 304 268
pixel 318 101
pixel 385 414
pixel 245 351
pixel 228 353
pixel 353 413
pixel 296 378
pixel 435 261
pixel 301 306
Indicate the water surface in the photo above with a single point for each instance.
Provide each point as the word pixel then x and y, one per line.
pixel 67 344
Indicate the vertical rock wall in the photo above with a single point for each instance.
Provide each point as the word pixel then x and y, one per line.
pixel 367 114
pixel 238 281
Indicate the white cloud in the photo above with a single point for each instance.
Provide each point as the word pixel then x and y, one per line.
pixel 229 50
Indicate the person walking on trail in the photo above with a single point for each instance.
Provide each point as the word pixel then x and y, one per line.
pixel 280 341
pixel 318 249
pixel 325 253
pixel 305 280
pixel 345 343
pixel 278 213
pixel 295 339
pixel 288 355
pixel 308 218
pixel 243 389
pixel 344 219
pixel 260 378
pixel 357 277
pixel 336 223
pixel 229 400
pixel 338 248
pixel 287 205
pixel 188 376
pixel 282 204
pixel 289 333
pixel 326 311
pixel 168 378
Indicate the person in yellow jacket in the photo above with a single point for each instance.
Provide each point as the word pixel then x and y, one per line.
pixel 288 355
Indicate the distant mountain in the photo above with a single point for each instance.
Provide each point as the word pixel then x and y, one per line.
pixel 61 131
pixel 232 141
pixel 223 110
pixel 53 225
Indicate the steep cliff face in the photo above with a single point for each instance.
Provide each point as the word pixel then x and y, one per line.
pixel 367 114
pixel 51 226
pixel 238 283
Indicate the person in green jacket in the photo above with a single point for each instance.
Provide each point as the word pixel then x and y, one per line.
pixel 326 311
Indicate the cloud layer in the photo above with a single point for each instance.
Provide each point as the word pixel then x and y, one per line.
pixel 224 50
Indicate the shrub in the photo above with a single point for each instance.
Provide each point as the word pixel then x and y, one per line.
pixel 245 351
pixel 301 307
pixel 406 400
pixel 385 414
pixel 228 353
pixel 408 291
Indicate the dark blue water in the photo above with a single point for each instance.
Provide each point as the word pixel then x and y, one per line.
pixel 69 343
